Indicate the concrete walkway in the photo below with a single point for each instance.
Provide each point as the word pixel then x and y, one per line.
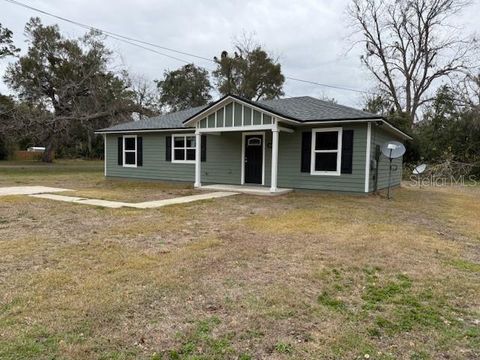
pixel 27 190
pixel 141 205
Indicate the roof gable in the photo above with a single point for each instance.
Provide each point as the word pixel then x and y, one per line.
pixel 225 101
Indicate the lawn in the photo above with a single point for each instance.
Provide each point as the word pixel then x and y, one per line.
pixel 305 275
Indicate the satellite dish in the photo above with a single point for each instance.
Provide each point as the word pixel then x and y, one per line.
pixel 393 149
pixel 419 169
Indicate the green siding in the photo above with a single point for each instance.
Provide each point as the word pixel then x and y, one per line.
pixel 154 164
pixel 211 121
pixel 238 115
pixel 257 118
pixel 220 117
pixel 248 116
pixel 379 137
pixel 224 161
pixel 289 159
pixel 228 115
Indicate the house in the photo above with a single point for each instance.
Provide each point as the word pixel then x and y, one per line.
pixel 297 143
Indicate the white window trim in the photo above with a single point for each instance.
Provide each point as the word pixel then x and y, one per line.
pixel 184 148
pixel 339 130
pixel 130 151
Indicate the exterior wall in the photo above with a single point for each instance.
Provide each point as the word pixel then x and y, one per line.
pixel 379 137
pixel 154 165
pixel 289 160
pixel 224 161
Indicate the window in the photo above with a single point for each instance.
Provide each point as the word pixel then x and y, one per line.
pixel 130 151
pixel 254 141
pixel 326 151
pixel 183 149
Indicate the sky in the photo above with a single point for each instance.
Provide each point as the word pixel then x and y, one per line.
pixel 311 39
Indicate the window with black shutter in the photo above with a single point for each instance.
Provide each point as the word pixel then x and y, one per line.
pixel 326 151
pixel 130 151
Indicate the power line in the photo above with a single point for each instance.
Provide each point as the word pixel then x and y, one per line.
pixel 108 33
pixel 326 85
pixel 137 42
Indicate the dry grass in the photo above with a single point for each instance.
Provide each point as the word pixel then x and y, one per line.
pixel 307 275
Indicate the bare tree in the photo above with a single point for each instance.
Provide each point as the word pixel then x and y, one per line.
pixel 145 95
pixel 409 44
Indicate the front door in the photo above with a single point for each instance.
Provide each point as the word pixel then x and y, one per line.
pixel 253 161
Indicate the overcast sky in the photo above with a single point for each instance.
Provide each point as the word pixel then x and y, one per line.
pixel 310 38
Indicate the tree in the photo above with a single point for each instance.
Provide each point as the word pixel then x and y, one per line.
pixel 409 44
pixel 251 73
pixel 450 130
pixel 145 95
pixel 69 80
pixel 183 88
pixel 6 43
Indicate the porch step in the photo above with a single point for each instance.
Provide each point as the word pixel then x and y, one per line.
pixel 245 189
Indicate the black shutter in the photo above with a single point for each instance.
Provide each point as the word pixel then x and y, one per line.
pixel 168 148
pixel 306 151
pixel 120 151
pixel 203 156
pixel 347 151
pixel 139 151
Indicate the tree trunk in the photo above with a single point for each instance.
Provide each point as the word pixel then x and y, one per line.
pixel 48 154
pixel 89 143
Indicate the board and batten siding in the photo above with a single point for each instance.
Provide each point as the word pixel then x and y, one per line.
pixel 289 163
pixel 379 137
pixel 223 161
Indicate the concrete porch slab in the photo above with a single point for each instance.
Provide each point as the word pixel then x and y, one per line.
pixel 245 189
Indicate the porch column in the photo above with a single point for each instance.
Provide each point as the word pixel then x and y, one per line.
pixel 273 180
pixel 198 160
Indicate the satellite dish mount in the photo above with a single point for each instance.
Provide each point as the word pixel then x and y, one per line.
pixel 392 150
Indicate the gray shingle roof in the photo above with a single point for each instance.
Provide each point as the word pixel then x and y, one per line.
pixel 303 109
pixel 307 108
pixel 172 120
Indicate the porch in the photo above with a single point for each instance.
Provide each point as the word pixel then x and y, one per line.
pixel 259 130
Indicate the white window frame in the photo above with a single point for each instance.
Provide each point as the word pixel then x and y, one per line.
pixel 339 131
pixel 184 136
pixel 130 151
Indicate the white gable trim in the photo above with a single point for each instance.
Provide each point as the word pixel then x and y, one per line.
pixel 229 99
